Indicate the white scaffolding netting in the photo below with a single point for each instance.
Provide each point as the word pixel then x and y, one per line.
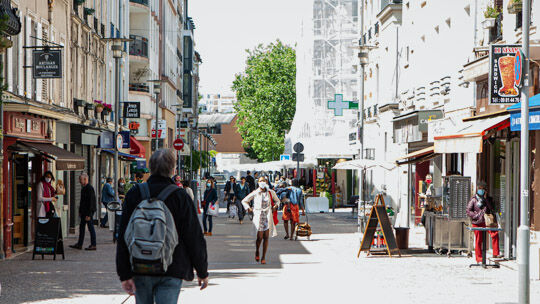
pixel 327 64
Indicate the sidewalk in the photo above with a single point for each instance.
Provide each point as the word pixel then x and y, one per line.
pixel 323 270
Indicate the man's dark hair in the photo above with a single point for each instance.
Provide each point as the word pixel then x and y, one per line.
pixel 482 184
pixel 109 180
pixel 243 178
pixel 248 172
pixel 185 183
pixel 296 182
pixel 139 175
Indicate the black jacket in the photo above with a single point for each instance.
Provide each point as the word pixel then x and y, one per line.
pixel 191 250
pixel 228 187
pixel 88 201
pixel 251 182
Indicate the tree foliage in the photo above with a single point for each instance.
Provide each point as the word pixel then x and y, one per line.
pixel 266 94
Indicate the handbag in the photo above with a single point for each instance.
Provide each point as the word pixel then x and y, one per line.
pixel 491 220
pixel 274 212
pixel 213 209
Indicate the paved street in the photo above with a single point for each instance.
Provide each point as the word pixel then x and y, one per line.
pixel 296 272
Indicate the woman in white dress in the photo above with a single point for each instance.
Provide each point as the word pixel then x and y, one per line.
pixel 265 202
pixel 46 196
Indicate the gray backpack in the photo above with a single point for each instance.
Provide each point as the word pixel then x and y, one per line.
pixel 151 235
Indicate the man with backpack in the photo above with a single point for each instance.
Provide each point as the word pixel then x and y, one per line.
pixel 160 240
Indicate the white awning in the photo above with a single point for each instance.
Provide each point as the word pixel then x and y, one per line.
pixel 362 164
pixel 468 136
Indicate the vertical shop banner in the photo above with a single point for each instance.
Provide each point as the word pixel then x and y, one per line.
pixel 132 109
pixel 162 128
pixel 125 139
pixel 502 72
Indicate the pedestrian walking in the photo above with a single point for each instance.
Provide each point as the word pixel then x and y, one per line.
pixel 121 188
pixel 229 194
pixel 86 213
pixel 479 206
pixel 107 196
pixel 139 177
pixel 240 192
pixel 265 202
pixel 152 284
pixel 250 180
pixel 177 180
pixel 291 212
pixel 46 196
pixel 209 197
pixel 185 185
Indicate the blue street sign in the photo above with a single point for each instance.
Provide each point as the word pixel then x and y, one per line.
pixel 284 157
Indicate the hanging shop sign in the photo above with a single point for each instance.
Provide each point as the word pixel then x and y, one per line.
pixel 106 140
pixel 338 105
pixel 47 63
pixel 162 128
pixel 502 74
pixel 534 120
pixel 132 109
pixel 126 135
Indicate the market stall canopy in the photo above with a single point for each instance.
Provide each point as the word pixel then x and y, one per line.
pixel 363 164
pixel 417 156
pixel 136 148
pixel 468 137
pixel 122 155
pixel 268 166
pixel 65 160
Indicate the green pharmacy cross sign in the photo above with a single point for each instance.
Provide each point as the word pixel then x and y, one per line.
pixel 338 104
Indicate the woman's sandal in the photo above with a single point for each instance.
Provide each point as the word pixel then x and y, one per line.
pixel 263 261
pixel 257 258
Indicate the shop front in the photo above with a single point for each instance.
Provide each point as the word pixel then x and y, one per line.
pixel 29 152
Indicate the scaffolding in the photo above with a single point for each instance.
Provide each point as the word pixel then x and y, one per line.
pixel 327 64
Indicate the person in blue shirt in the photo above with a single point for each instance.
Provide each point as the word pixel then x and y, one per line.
pixel 107 196
pixel 291 208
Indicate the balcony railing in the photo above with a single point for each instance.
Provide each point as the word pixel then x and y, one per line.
pixel 495 32
pixel 139 87
pixel 96 25
pixel 143 2
pixel 138 46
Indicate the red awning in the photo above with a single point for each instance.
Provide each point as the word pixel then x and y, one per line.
pixel 136 148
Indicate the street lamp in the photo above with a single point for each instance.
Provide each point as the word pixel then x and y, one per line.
pixel 118 53
pixel 157 92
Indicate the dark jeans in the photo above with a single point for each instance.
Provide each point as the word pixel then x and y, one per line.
pixel 241 210
pixel 82 230
pixel 206 216
pixel 162 290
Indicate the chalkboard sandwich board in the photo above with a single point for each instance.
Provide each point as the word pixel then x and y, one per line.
pixel 48 238
pixel 378 216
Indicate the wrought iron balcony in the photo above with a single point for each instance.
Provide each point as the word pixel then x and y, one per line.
pixel 138 46
pixel 139 87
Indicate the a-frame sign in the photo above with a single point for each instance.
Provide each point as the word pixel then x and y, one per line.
pixel 378 215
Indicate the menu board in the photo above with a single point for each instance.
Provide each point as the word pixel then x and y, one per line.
pixel 502 70
pixel 48 238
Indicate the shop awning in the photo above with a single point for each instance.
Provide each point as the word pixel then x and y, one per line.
pixel 534 114
pixel 65 160
pixel 468 136
pixel 417 156
pixel 121 155
pixel 362 164
pixel 136 148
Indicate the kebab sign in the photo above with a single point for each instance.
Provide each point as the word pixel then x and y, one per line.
pixel 504 86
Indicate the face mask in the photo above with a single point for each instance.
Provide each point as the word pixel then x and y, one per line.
pixel 428 181
pixel 481 192
pixel 121 184
pixel 208 184
pixel 48 180
pixel 263 185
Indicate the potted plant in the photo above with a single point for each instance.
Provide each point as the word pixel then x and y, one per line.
pixel 514 6
pixel 98 104
pixel 491 13
pixel 107 108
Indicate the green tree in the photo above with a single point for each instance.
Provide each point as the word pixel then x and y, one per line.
pixel 266 93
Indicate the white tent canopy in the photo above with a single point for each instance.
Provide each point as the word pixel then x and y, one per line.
pixel 358 164
pixel 268 166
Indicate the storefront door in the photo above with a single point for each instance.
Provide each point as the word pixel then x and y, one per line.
pixel 22 209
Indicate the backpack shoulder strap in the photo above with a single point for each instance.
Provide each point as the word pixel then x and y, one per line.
pixel 164 194
pixel 145 191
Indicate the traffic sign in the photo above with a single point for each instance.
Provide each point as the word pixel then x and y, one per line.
pixel 299 157
pixel 178 144
pixel 284 157
pixel 119 141
pixel 298 147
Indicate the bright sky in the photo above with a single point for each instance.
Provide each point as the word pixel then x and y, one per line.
pixel 226 28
